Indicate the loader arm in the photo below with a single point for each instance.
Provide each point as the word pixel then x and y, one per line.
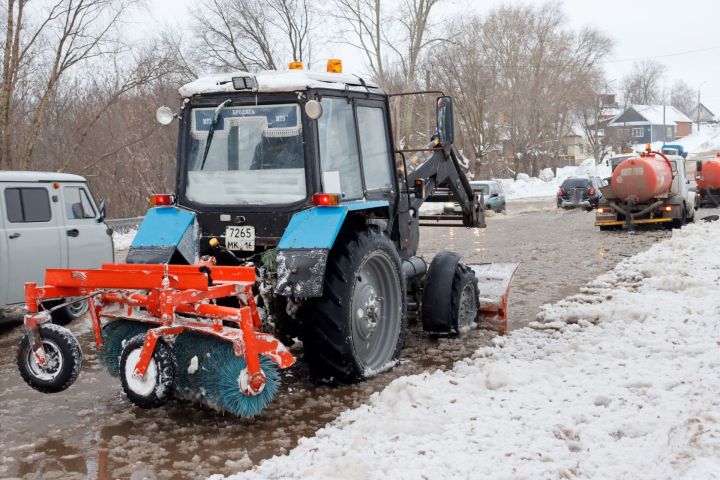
pixel 440 178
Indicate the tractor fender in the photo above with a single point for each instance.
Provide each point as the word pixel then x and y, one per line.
pixel 305 245
pixel 165 234
pixel 437 293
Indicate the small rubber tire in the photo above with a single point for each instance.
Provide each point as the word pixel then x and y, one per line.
pixel 64 353
pixel 157 387
pixel 464 300
pixel 68 313
pixel 330 326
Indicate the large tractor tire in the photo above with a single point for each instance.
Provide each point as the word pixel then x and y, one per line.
pixel 356 329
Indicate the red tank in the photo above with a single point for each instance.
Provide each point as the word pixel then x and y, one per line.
pixel 710 174
pixel 642 178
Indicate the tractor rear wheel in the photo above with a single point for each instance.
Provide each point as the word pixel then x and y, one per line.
pixel 356 329
pixel 158 385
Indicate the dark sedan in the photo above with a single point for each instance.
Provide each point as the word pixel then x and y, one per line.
pixel 582 192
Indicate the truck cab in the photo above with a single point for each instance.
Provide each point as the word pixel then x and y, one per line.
pixel 48 220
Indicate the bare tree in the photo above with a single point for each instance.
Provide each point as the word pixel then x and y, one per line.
pixel 39 51
pixel 682 97
pixel 252 34
pixel 642 85
pixel 364 20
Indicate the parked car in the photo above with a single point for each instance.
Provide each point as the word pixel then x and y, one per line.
pixel 48 220
pixel 492 192
pixel 581 192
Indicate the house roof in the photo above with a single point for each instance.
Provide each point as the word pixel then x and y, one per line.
pixel 277 81
pixel 653 114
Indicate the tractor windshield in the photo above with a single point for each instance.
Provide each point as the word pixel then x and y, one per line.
pixel 256 156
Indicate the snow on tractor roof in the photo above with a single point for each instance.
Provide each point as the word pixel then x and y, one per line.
pixel 272 81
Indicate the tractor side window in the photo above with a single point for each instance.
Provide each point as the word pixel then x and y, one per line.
pixel 339 148
pixel 374 146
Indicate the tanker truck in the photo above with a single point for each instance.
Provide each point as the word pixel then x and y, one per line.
pixel 649 188
pixel 707 177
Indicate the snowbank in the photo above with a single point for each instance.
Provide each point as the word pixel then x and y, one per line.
pixel 619 381
pixel 122 240
pixel 703 143
pixel 531 187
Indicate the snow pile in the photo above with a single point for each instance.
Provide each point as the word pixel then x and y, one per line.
pixel 547 185
pixel 122 240
pixel 703 143
pixel 619 381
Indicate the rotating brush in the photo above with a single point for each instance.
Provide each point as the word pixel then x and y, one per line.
pixel 114 336
pixel 220 378
pixel 191 354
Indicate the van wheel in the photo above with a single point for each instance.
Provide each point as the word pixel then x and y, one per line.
pixel 68 313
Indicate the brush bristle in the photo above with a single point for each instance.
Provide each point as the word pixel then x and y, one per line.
pixel 220 382
pixel 188 376
pixel 114 335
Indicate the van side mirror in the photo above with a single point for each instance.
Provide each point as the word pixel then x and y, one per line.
pixel 102 208
pixel 445 121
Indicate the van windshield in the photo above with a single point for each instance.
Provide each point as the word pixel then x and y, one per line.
pixel 256 156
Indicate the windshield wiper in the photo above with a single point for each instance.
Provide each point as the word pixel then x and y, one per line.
pixel 211 132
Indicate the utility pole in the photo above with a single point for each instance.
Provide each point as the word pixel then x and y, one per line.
pixel 698 105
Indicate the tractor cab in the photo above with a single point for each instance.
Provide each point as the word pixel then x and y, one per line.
pixel 256 149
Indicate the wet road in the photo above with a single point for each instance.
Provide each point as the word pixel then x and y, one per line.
pixel 91 431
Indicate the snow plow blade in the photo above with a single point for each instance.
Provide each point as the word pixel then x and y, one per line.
pixel 494 281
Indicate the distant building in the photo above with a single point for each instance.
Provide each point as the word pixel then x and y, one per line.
pixel 647 124
pixel 706 116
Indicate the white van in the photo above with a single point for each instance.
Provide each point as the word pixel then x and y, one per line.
pixel 48 220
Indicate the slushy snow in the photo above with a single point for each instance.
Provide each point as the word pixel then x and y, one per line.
pixel 618 381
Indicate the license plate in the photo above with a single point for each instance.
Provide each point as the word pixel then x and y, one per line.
pixel 240 238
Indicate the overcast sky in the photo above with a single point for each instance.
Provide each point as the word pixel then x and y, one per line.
pixel 683 35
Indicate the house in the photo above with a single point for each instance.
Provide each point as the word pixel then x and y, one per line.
pixel 706 116
pixel 574 147
pixel 647 124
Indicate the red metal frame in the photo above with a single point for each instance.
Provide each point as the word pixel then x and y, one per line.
pixel 176 298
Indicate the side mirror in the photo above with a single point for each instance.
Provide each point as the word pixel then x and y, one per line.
pixel 445 121
pixel 102 208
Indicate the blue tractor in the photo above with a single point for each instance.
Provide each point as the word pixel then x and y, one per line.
pixel 297 174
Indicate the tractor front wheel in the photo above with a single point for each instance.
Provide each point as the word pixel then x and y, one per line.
pixel 356 329
pixel 158 385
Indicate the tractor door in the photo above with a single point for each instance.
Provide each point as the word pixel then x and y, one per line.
pixel 355 149
pixel 33 235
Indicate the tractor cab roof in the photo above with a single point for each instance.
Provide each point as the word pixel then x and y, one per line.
pixel 272 81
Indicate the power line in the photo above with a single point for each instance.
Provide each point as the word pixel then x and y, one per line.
pixel 688 52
